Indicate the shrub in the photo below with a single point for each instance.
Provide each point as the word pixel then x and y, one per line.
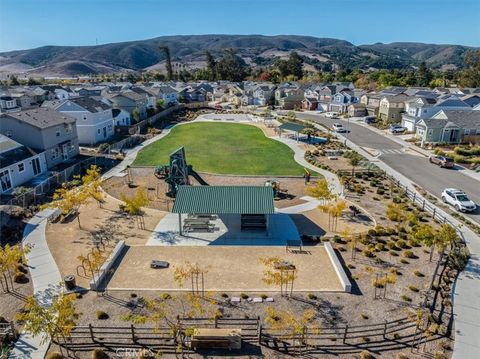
pixel 54 355
pixel 133 295
pixel 404 261
pixel 366 340
pixel 367 252
pixel 379 247
pixel 401 243
pixel 440 355
pixel 99 354
pixel 397 199
pixel 400 355
pixel 393 253
pixel 337 239
pixel 405 298
pixel 365 354
pixel 403 235
pixel 413 288
pixel 101 315
pixel 372 232
pixel 380 191
pixel 243 296
pixel 364 316
pixel 311 296
pixel 409 254
pixel 20 278
pixel 391 245
pixel 350 266
pixel 418 273
pixel 165 296
pixel 264 296
pixel 224 295
pixel 22 269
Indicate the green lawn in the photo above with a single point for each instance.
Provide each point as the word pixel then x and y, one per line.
pixel 224 148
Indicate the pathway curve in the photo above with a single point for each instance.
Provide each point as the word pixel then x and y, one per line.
pixel 46 280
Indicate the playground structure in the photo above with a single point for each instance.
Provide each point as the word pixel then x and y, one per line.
pixel 278 190
pixel 177 172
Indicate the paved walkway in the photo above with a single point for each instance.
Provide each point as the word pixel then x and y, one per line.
pixel 45 279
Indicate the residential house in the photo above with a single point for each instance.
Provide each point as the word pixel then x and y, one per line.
pixel 8 104
pixel 90 91
pixel 94 118
pixel 165 93
pixel 293 99
pixel 61 93
pixel 130 101
pixel 357 110
pixel 450 126
pixel 325 96
pixel 340 101
pixel 472 100
pixel 263 94
pixel 372 103
pixel 310 103
pixel 426 107
pixel 151 98
pixel 392 107
pixel 120 117
pixel 44 130
pixel 24 99
pixel 18 164
pixel 285 89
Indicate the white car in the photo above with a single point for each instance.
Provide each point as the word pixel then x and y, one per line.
pixel 331 115
pixel 458 199
pixel 338 127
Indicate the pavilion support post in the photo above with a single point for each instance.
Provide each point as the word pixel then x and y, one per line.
pixel 267 217
pixel 180 224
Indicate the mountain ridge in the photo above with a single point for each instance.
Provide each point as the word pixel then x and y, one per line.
pixel 188 52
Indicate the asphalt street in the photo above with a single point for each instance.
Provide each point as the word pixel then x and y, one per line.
pixel 415 167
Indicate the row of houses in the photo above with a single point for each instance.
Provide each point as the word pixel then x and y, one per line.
pixel 42 127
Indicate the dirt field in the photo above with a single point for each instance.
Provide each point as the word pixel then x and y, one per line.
pixel 234 268
pixel 67 241
pixel 144 176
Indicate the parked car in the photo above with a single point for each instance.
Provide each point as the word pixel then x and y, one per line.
pixel 458 199
pixel 442 161
pixel 396 129
pixel 332 115
pixel 338 127
pixel 369 119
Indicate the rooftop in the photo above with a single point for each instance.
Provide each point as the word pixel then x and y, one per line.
pixel 42 117
pixel 224 200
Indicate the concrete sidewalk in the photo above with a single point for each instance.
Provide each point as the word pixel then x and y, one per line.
pixel 46 280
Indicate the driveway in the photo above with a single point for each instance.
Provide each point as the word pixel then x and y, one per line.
pixel 415 167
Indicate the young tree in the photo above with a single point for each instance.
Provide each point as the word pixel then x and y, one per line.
pixel 10 258
pixel 136 115
pixel 320 190
pixel 354 160
pixel 297 326
pixel 54 321
pixel 193 272
pixel 280 273
pixel 73 194
pixel 336 211
pixel 425 234
pixel 424 75
pixel 133 205
pixel 395 212
pixel 445 236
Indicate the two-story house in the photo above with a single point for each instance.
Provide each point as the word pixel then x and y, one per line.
pixel 130 101
pixel 262 94
pixel 18 164
pixel 44 130
pixel 371 101
pixel 391 108
pixel 165 93
pixel 94 118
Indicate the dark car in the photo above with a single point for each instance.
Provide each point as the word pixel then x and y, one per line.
pixel 369 119
pixel 442 161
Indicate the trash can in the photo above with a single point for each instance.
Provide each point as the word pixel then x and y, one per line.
pixel 70 283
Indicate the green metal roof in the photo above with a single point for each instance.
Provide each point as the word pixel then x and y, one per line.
pixel 290 126
pixel 224 200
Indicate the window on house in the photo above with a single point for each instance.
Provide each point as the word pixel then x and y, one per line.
pixel 68 128
pixel 55 153
pixel 85 117
pixel 9 133
pixel 21 167
pixel 98 131
pixel 57 132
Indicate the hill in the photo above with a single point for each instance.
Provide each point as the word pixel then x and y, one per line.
pixel 188 52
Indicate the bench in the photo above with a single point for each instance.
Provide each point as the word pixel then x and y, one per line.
pixel 216 338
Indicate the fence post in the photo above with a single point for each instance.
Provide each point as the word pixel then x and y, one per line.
pixel 414 197
pixel 90 328
pixel 215 323
pixel 385 330
pixel 423 205
pixel 259 334
pixel 434 212
pixel 132 328
pixel 12 328
pixel 345 334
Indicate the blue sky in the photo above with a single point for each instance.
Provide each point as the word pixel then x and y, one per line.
pixel 34 23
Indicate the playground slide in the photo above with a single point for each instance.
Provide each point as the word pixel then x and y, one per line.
pixel 197 177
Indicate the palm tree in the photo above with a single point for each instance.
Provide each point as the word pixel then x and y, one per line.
pixel 168 65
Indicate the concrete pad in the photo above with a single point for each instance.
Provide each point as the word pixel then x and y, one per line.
pixel 227 232
pixel 230 268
